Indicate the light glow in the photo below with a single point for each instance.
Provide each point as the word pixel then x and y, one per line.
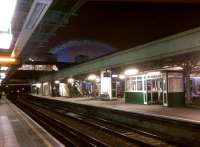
pixel 130 72
pixel 7 8
pixel 7 59
pixel 114 76
pixel 4 68
pixel 57 82
pixel 122 77
pixel 2 75
pixel 46 83
pixel 38 85
pixel 70 80
pixel 5 40
pixel 92 77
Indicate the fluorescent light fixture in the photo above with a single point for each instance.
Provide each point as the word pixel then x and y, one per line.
pixel 114 76
pixel 35 15
pixel 92 77
pixel 122 77
pixel 7 8
pixel 7 59
pixel 70 80
pixel 130 72
pixel 5 40
pixel 57 82
pixel 4 68
pixel 2 75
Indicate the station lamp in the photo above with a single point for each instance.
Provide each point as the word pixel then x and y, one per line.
pixel 70 80
pixel 57 82
pixel 114 76
pixel 122 77
pixel 92 77
pixel 7 60
pixel 130 72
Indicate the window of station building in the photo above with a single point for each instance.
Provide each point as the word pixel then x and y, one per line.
pixel 175 82
pixel 131 84
pixel 139 84
pixel 134 84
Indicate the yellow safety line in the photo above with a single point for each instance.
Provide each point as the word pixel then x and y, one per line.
pixel 46 142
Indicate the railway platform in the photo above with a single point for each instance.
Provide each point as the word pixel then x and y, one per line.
pixel 19 130
pixel 189 114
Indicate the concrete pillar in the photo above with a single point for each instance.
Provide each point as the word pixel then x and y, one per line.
pixel 106 83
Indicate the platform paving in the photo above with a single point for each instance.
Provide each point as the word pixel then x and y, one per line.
pixel 180 113
pixel 19 130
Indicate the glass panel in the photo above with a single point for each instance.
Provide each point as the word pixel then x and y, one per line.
pixel 139 85
pixel 175 85
pixel 130 85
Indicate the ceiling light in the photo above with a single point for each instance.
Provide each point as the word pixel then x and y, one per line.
pixel 114 76
pixel 122 77
pixel 70 80
pixel 130 72
pixel 5 40
pixel 35 15
pixel 7 59
pixel 92 77
pixel 7 8
pixel 57 82
pixel 4 68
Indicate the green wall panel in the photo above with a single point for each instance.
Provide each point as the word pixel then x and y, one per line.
pixel 134 97
pixel 176 99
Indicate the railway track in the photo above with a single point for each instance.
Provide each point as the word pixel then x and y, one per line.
pixel 79 130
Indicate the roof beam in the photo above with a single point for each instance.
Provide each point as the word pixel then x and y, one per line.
pixel 178 44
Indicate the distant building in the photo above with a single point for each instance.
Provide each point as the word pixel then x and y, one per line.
pixel 81 58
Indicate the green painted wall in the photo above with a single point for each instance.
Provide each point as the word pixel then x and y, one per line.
pixel 176 99
pixel 134 97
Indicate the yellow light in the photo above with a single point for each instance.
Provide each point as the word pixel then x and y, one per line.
pixel 7 59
